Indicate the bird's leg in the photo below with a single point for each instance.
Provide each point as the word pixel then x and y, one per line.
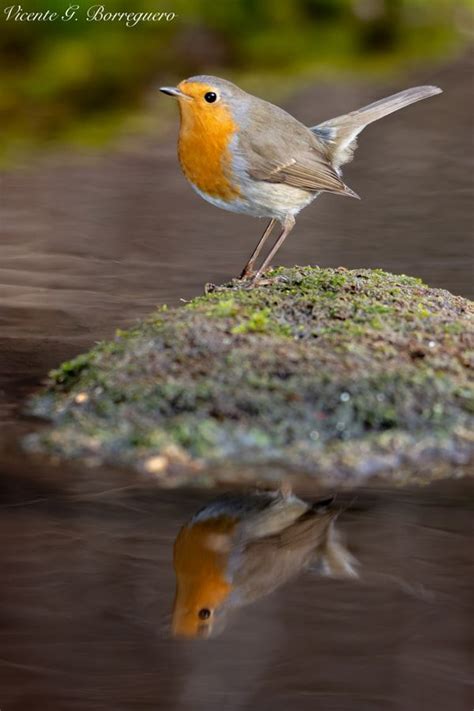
pixel 288 225
pixel 247 270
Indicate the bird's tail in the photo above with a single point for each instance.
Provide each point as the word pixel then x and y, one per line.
pixel 341 132
pixel 337 562
pixel 378 109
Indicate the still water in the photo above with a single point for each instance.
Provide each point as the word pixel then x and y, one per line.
pixel 88 586
pixel 89 243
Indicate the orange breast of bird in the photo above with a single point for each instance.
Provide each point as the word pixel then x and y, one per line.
pixel 203 145
pixel 201 555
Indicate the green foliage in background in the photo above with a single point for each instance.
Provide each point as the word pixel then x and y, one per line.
pixel 78 80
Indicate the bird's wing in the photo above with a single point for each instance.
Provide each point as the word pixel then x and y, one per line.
pixel 311 172
pixel 280 149
pixel 266 563
pixel 309 529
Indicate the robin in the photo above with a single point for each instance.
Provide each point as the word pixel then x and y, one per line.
pixel 246 155
pixel 242 547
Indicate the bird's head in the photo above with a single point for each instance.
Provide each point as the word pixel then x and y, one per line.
pixel 208 100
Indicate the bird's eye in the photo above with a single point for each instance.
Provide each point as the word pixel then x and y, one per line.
pixel 210 97
pixel 204 614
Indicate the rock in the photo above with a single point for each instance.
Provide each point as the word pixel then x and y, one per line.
pixel 331 374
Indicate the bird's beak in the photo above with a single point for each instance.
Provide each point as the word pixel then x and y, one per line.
pixel 174 91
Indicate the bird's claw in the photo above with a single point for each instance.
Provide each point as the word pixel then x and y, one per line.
pixel 252 278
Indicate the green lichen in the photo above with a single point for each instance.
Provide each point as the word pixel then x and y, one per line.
pixel 333 372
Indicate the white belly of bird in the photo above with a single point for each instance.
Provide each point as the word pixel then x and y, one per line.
pixel 264 199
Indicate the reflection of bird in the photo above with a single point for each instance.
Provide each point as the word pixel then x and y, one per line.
pixel 239 548
pixel 246 155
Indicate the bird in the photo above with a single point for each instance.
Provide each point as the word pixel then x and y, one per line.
pixel 246 155
pixel 241 547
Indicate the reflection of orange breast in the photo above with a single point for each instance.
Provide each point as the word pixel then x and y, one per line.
pixel 203 149
pixel 200 562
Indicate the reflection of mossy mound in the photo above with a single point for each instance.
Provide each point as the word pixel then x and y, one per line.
pixel 332 372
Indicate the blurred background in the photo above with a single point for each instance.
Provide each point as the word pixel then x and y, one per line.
pixel 83 81
pixel 97 227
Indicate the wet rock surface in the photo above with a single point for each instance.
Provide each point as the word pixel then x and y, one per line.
pixel 340 375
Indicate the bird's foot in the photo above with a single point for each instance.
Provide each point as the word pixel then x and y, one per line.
pixel 252 278
pixel 260 278
pixel 247 273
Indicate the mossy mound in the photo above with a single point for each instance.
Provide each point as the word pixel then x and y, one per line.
pixel 339 374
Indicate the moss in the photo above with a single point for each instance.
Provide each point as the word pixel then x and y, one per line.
pixel 261 321
pixel 258 322
pixel 225 308
pixel 334 372
pixel 70 370
pixel 454 328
